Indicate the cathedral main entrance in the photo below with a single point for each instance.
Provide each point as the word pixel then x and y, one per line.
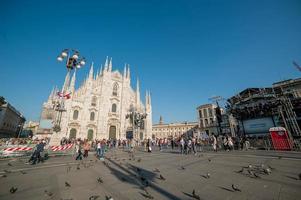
pixel 112 132
pixel 72 134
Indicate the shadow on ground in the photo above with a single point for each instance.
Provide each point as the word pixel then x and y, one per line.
pixel 139 177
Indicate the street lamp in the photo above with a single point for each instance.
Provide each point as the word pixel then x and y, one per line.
pixel 73 61
pixel 136 119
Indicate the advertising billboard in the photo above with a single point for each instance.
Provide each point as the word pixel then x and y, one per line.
pixel 258 126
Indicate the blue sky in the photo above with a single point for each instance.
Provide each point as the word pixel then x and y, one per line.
pixel 183 51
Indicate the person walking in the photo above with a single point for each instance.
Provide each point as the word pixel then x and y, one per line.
pixel 182 144
pixel 79 152
pixel 149 145
pixel 98 149
pixel 214 143
pixel 36 156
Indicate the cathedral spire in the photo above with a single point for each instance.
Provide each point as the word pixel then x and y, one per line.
pixel 110 65
pixel 51 94
pixel 149 99
pixel 101 70
pixel 138 94
pixel 128 72
pixel 66 82
pixel 97 74
pixel 124 71
pixel 72 83
pixel 91 72
pixel 107 63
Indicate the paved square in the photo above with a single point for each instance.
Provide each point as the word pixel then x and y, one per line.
pixel 210 174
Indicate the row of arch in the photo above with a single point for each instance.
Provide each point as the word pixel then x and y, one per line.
pixel 92 114
pixel 90 133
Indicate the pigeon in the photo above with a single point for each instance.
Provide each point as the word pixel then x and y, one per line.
pixel 139 160
pixel 22 172
pixel 207 175
pixel 67 184
pixel 9 164
pixel 267 171
pixel 147 195
pixel 78 168
pixel 256 176
pixel 142 178
pixel 241 171
pixel 250 166
pixel 209 159
pixel 156 170
pixel 13 190
pixel 235 188
pixel 109 198
pixel 4 175
pixel 99 180
pixel 94 197
pixel 182 167
pixel 48 193
pixel 250 172
pixel 161 177
pixel 194 195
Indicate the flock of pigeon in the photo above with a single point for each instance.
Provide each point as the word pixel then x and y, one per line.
pixel 251 171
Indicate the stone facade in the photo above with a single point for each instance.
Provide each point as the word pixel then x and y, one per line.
pixel 174 130
pixel 98 108
pixel 11 121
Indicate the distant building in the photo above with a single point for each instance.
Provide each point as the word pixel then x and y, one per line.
pixel 163 130
pixel 11 120
pixel 207 120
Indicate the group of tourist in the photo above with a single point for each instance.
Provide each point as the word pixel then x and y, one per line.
pixel 186 145
pixel 190 145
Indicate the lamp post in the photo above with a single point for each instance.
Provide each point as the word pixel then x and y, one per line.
pixel 73 61
pixel 136 119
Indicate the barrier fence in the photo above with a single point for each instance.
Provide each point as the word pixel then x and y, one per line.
pixel 27 150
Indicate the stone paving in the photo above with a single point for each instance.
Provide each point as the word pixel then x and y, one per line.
pixel 210 174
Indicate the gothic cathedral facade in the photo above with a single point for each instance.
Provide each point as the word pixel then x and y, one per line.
pixel 98 109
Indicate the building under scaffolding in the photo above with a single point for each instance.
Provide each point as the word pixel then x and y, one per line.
pixel 258 109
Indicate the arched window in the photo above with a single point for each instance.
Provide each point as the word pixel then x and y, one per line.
pixel 115 89
pixel 75 115
pixel 94 101
pixel 72 133
pixel 114 107
pixel 92 116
